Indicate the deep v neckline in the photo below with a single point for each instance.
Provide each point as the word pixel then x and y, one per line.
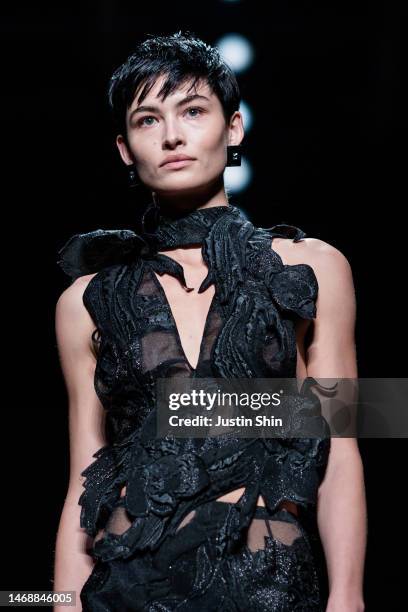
pixel 166 302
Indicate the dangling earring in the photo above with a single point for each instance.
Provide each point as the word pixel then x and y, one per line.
pixel 151 216
pixel 234 155
pixel 133 176
pixel 155 200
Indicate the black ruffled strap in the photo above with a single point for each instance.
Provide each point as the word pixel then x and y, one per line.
pixel 285 230
pixel 293 287
pixel 90 252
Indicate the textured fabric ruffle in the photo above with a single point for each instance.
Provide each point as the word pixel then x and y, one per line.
pixel 90 252
pixel 167 477
pixel 104 479
pixel 232 246
pixel 187 574
pixel 258 297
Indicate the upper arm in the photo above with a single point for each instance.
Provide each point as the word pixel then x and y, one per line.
pixel 330 354
pixel 74 327
pixel 331 350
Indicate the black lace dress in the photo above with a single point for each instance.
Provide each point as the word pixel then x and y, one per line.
pixel 167 543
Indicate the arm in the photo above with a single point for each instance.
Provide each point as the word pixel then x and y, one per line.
pixel 74 327
pixel 341 510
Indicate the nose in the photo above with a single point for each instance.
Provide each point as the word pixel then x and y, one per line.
pixel 172 136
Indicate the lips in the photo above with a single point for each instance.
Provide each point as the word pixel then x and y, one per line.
pixel 178 164
pixel 176 159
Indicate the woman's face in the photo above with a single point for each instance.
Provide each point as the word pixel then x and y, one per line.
pixel 182 124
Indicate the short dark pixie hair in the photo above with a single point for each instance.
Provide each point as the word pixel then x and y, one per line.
pixel 180 56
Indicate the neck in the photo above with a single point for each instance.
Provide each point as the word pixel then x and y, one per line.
pixel 188 228
pixel 174 205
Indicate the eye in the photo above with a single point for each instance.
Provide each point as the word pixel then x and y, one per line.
pixel 191 108
pixel 140 122
pixel 196 108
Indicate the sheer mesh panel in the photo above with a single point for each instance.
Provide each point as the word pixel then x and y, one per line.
pixel 117 524
pixel 118 521
pixel 158 347
pixel 214 325
pixel 147 285
pixel 260 528
pixel 162 345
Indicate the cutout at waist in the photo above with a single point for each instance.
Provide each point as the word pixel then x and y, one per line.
pixel 288 505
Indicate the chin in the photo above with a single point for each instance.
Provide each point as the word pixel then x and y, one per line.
pixel 179 183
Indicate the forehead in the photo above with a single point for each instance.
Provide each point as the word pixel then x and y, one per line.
pixel 201 88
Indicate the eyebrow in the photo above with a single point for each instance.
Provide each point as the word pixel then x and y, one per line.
pixel 154 109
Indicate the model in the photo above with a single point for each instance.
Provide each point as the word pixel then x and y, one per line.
pixel 217 522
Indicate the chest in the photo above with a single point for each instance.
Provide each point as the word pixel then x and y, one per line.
pixel 189 312
pixel 174 331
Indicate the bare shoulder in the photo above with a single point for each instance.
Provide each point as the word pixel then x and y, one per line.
pixel 328 262
pixel 70 309
pixel 73 294
pixel 336 291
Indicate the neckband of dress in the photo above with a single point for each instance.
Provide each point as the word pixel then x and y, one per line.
pixel 191 227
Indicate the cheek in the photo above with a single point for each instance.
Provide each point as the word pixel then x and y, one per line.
pixel 145 151
pixel 212 140
pixel 211 150
pixel 146 161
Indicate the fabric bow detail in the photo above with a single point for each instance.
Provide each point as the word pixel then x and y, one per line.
pixel 90 252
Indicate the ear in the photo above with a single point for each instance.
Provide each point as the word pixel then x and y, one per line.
pixel 124 150
pixel 236 131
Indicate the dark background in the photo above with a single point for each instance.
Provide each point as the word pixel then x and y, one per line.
pixel 326 146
